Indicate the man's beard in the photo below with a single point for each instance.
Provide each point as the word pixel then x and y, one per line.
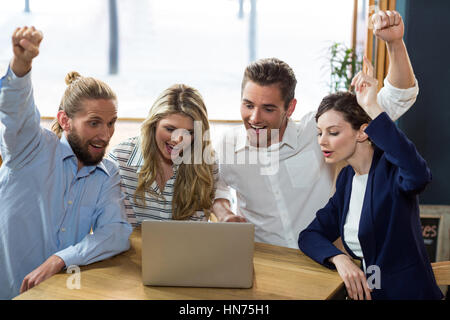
pixel 82 150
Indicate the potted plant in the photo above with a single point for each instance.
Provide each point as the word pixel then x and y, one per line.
pixel 344 65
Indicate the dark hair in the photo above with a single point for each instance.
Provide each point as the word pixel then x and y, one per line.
pixel 345 103
pixel 270 71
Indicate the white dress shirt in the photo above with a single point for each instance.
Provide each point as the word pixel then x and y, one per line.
pixel 279 189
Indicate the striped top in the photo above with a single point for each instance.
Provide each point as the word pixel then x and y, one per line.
pixel 128 156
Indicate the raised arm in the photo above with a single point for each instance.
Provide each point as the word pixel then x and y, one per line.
pixel 413 173
pixel 389 27
pixel 20 133
pixel 400 88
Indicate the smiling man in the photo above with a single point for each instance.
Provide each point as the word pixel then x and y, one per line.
pixel 266 106
pixel 60 201
pixel 283 203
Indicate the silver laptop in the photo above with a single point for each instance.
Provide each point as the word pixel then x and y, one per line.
pixel 197 254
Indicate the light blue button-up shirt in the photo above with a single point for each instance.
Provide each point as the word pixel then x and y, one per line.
pixel 47 206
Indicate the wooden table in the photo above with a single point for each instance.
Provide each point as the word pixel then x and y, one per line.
pixel 279 273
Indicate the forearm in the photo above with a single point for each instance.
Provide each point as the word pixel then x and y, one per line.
pixel 374 110
pixel 401 152
pixel 317 245
pixel 335 259
pixel 400 73
pixel 20 67
pixel 102 244
pixel 110 229
pixel 56 264
pixel 51 266
pixel 386 135
pixel 317 239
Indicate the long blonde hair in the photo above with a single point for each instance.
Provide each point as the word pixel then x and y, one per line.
pixel 194 185
pixel 78 89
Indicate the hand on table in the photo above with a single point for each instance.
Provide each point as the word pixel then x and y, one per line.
pixel 233 218
pixel 51 266
pixel 353 277
pixel 221 209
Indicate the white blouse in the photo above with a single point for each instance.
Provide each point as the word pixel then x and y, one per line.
pixel 351 226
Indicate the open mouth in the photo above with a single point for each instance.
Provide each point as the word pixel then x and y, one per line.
pixel 327 153
pixel 171 149
pixel 258 128
pixel 97 147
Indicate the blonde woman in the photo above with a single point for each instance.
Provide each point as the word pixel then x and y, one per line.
pixel 166 173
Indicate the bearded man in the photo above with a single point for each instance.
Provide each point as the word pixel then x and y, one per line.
pixel 60 201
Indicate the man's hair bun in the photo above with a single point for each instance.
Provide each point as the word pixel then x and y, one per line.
pixel 71 77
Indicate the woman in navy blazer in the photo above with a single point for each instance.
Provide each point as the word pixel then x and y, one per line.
pixel 390 246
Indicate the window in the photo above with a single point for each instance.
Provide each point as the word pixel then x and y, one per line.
pixel 203 43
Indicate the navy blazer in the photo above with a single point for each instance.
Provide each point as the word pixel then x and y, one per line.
pixel 390 232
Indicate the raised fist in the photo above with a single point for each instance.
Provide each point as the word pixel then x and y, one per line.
pixel 388 25
pixel 25 43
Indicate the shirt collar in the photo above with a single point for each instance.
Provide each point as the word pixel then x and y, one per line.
pixel 67 152
pixel 242 139
pixel 66 148
pixel 289 137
